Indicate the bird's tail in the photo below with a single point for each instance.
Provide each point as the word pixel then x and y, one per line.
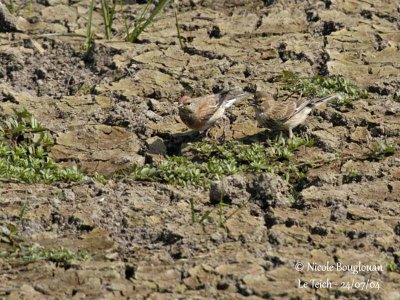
pixel 231 96
pixel 315 102
pixel 319 101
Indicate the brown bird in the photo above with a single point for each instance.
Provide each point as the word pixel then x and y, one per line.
pixel 203 112
pixel 285 115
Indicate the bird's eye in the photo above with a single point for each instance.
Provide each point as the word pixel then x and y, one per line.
pixel 184 99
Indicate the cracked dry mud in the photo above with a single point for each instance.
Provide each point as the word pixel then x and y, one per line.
pixel 107 111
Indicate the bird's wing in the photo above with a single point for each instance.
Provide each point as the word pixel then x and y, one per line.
pixel 302 103
pixel 318 101
pixel 282 111
pixel 274 110
pixel 229 97
pixel 207 106
pixel 314 102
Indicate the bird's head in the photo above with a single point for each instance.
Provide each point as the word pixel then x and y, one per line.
pixel 259 97
pixel 184 100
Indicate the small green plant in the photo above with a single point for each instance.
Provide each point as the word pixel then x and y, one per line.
pixel 221 205
pixel 30 7
pixel 24 145
pixel 282 148
pixel 396 96
pixel 23 210
pixel 178 31
pixel 100 178
pixel 24 128
pixel 243 204
pixel 86 89
pixel 380 150
pixel 108 12
pixel 11 7
pixel 320 86
pixel 61 256
pixel 9 234
pixel 391 266
pixel 192 210
pixel 18 250
pixel 206 162
pixel 89 42
pixel 144 20
pixel 193 213
pixel 351 175
pixel 222 217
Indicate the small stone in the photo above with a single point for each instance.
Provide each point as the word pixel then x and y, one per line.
pixel 32 44
pixel 360 134
pixel 270 190
pixel 231 189
pixel 155 105
pixel 67 195
pixel 79 295
pixel 216 237
pixel 55 202
pixel 156 145
pixel 355 212
pixel 153 116
pixel 338 213
pixel 112 256
pixel 114 286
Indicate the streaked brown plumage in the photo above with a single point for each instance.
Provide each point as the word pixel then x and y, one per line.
pixel 285 115
pixel 203 112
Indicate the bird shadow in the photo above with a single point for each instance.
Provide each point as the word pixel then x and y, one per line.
pixel 174 141
pixel 260 137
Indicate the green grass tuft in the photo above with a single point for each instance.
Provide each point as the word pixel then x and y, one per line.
pixel 320 86
pixel 11 7
pixel 89 42
pixel 391 266
pixel 205 162
pixel 24 145
pixel 144 20
pixel 30 7
pixel 380 150
pixel 61 256
pixel 16 249
pixel 178 31
pixel 108 12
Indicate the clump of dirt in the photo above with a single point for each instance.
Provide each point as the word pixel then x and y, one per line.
pixel 52 68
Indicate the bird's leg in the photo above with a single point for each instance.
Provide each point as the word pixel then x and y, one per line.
pixel 225 123
pixel 276 96
pixel 301 95
pixel 206 133
pixel 290 133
